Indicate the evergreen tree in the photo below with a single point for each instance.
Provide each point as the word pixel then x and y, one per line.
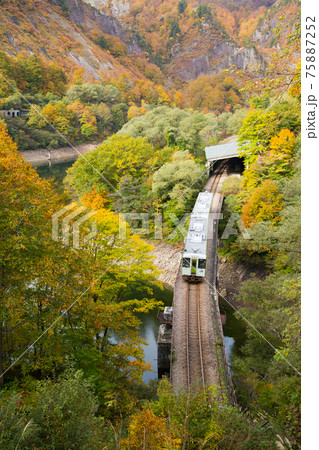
pixel 203 11
pixel 181 6
pixel 175 30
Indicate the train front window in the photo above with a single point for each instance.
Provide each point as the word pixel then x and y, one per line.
pixel 201 263
pixel 186 262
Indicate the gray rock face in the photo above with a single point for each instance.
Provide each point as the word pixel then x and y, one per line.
pixel 200 65
pixel 167 260
pixel 218 56
pixel 264 33
pixel 83 14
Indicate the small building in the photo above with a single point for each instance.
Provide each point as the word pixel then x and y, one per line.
pixel 13 113
pixel 166 316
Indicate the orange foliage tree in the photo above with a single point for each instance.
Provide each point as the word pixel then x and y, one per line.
pixel 217 93
pixel 280 156
pixel 275 161
pixel 264 204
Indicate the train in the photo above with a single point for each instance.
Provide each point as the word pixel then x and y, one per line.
pixel 195 250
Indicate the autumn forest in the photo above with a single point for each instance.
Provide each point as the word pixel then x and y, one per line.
pixel 151 84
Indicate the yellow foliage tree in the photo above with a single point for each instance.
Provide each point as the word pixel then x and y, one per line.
pixel 36 117
pixel 134 111
pixel 149 431
pixel 264 204
pixel 282 144
pixel 59 116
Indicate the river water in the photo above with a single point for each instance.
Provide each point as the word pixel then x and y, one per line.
pixel 234 330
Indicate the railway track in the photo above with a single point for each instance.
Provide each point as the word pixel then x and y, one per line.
pixel 194 336
pixel 196 326
pixel 212 185
pixel 216 314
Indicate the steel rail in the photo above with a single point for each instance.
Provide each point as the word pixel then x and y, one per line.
pixel 217 176
pixel 194 344
pixel 200 336
pixel 216 314
pixel 187 337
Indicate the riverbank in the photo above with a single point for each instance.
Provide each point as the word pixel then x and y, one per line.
pixel 167 260
pixel 233 275
pixel 48 157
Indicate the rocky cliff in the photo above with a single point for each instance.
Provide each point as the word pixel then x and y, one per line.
pixel 210 56
pixel 192 38
pixel 63 35
pixel 90 18
pixel 185 41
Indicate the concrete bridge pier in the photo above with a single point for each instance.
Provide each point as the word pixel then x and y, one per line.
pixel 164 342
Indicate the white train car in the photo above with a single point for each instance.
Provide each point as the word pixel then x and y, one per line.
pixel 194 255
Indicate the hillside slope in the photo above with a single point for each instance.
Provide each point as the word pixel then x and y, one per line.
pixel 189 38
pixel 64 36
pixel 185 38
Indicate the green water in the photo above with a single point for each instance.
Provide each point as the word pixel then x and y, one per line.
pixel 234 331
pixel 149 329
pixel 57 172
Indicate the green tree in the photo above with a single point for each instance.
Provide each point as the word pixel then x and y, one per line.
pixel 64 414
pixel 13 102
pixel 195 419
pixel 174 30
pixel 93 93
pixel 181 6
pixel 15 427
pixel 102 42
pixel 189 414
pixel 203 11
pixel 177 183
pixel 231 186
pixel 171 126
pixel 116 158
pixel 235 122
pixel 58 414
pixel 119 116
pixel 63 5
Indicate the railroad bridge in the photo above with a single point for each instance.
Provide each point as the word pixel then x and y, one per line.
pixel 198 354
